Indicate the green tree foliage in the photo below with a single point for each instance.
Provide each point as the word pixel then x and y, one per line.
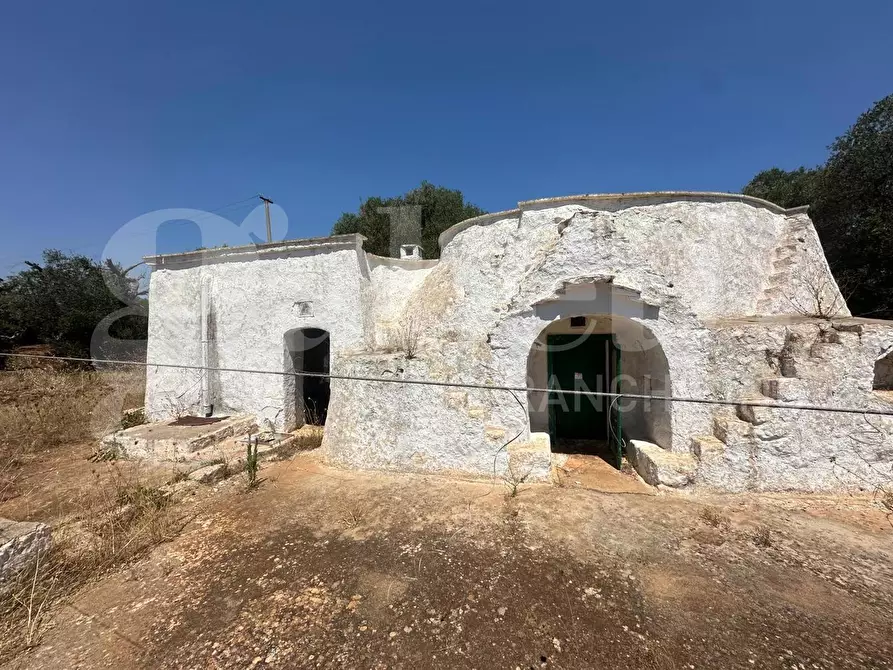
pixel 788 189
pixel 416 217
pixel 851 199
pixel 62 300
pixel 854 210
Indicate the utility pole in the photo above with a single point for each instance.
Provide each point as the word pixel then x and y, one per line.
pixel 267 203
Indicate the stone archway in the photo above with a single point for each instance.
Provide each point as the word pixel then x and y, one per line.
pixel 602 353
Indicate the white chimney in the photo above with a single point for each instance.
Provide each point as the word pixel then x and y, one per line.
pixel 412 252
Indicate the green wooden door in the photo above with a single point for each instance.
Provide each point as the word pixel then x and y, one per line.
pixel 579 363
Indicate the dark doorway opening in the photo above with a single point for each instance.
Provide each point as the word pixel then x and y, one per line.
pixel 308 351
pixel 883 373
pixel 316 389
pixel 583 424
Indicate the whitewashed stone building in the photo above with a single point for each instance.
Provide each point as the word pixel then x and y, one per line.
pixel 702 296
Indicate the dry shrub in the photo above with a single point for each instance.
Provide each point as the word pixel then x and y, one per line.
pixel 405 337
pixel 126 520
pixel 762 537
pixel 887 500
pixel 306 438
pixel 713 517
pixel 514 477
pixel 352 513
pixel 819 296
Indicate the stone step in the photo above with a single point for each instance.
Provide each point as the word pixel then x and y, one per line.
pixel 706 447
pixel 731 429
pixel 235 426
pixel 755 416
pixel 785 389
pixel 658 466
pixel 783 262
pixel 778 278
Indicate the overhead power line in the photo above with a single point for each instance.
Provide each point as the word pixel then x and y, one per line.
pixel 470 385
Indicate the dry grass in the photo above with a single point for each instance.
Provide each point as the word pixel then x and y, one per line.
pixel 127 520
pixel 42 409
pixel 308 437
pixel 352 513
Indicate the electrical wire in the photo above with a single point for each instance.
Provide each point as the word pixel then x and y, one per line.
pixel 469 385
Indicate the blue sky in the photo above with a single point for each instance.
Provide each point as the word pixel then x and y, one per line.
pixel 112 110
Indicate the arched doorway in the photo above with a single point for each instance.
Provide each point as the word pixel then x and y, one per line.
pixel 603 353
pixel 307 350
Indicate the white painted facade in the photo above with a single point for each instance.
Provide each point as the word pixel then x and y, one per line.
pixel 707 296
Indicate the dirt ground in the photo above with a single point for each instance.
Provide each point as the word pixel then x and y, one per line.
pixel 327 568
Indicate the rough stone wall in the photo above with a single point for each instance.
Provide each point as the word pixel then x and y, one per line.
pixel 499 284
pixel 799 361
pixel 883 372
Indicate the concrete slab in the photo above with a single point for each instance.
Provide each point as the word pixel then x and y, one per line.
pixel 169 442
pixel 596 474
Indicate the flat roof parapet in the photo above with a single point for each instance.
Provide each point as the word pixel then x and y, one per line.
pixel 248 252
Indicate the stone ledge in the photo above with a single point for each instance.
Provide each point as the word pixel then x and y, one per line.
pixel 707 447
pixel 731 429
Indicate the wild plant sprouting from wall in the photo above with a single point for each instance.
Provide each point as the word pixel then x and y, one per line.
pixel 816 294
pixel 408 335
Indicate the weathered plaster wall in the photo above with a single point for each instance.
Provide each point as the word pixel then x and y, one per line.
pixel 673 268
pixel 392 282
pixel 254 303
pixel 678 268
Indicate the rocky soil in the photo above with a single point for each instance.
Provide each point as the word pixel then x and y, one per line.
pixel 325 568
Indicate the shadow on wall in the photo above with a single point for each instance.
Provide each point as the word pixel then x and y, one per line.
pixel 883 373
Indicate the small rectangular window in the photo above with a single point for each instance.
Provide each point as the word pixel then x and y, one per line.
pixel 578 322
